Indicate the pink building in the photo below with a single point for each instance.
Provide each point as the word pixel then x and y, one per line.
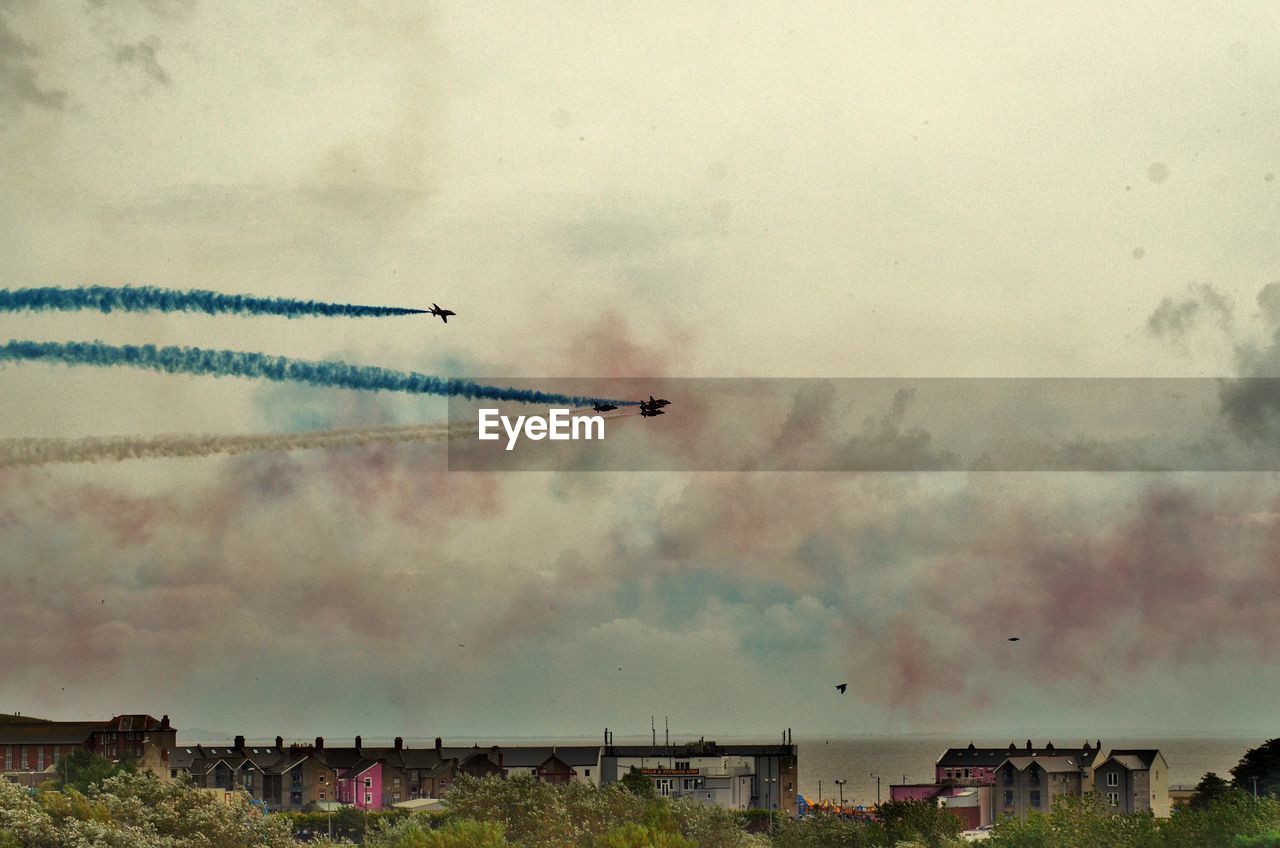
pixel 361 785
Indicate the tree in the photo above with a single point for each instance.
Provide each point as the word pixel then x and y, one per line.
pixel 1261 764
pixel 82 768
pixel 641 836
pixel 637 784
pixel 918 821
pixel 1209 789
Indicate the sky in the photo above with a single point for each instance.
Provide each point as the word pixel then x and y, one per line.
pixel 657 191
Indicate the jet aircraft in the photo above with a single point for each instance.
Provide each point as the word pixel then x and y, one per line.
pixel 603 407
pixel 443 313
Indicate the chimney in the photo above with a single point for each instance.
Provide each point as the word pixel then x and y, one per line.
pixel 1028 744
pixel 1085 746
pixel 239 742
pixel 1099 745
pixel 280 742
pixel 1012 747
pixel 164 722
pixel 439 744
pixel 358 743
pixel 399 743
pixel 319 743
pixel 1048 748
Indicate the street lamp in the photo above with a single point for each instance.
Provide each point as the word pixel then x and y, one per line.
pixel 840 781
pixel 877 777
pixel 768 801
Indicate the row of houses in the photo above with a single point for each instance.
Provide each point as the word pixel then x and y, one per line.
pixel 983 784
pixel 316 775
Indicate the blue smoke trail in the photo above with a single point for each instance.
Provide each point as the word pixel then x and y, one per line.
pixel 152 299
pixel 224 363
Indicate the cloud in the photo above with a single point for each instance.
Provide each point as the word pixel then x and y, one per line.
pixel 143 55
pixel 19 81
pixel 1175 319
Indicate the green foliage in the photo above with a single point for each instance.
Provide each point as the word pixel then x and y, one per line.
pixel 1077 823
pixel 1222 822
pixel 82 769
pixel 1209 789
pixel 642 836
pixel 1266 840
pixel 133 810
pixel 828 831
pixel 1261 764
pixel 348 822
pixel 417 832
pixel 637 784
pixel 1217 825
pixel 920 822
pixel 542 815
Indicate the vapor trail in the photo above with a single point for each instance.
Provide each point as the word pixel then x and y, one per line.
pixel 229 363
pixel 152 299
pixel 19 452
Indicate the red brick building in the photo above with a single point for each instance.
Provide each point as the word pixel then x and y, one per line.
pixel 36 745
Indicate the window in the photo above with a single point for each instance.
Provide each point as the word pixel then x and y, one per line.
pixel 321 794
pixel 1033 774
pixel 395 782
pixel 1008 776
pixel 368 783
pixel 689 783
pixel 295 778
pixel 40 759
pixel 368 798
pixel 8 758
pixel 395 796
pixel 1008 797
pixel 173 773
pixel 586 772
pixel 968 772
pixel 1035 798
pixel 682 764
pixel 663 785
pixel 323 776
pixel 1113 798
pixel 295 797
pixel 1113 778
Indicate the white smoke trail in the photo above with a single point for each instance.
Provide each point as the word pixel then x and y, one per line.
pixel 35 451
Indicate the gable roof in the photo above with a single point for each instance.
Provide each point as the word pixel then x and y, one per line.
pixel 1133 759
pixel 1053 765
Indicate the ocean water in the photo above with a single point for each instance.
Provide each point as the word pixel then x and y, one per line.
pixel 913 757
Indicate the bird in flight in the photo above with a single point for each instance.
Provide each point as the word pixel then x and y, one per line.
pixel 841 687
pixel 1014 638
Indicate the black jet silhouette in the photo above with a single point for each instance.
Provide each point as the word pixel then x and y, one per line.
pixel 443 313
pixel 1014 638
pixel 647 412
pixel 658 402
pixel 603 407
pixel 842 687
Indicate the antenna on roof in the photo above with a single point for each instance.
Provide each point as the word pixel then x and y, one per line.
pixel 653 729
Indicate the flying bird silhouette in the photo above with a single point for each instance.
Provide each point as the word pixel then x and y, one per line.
pixel 1014 638
pixel 842 687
